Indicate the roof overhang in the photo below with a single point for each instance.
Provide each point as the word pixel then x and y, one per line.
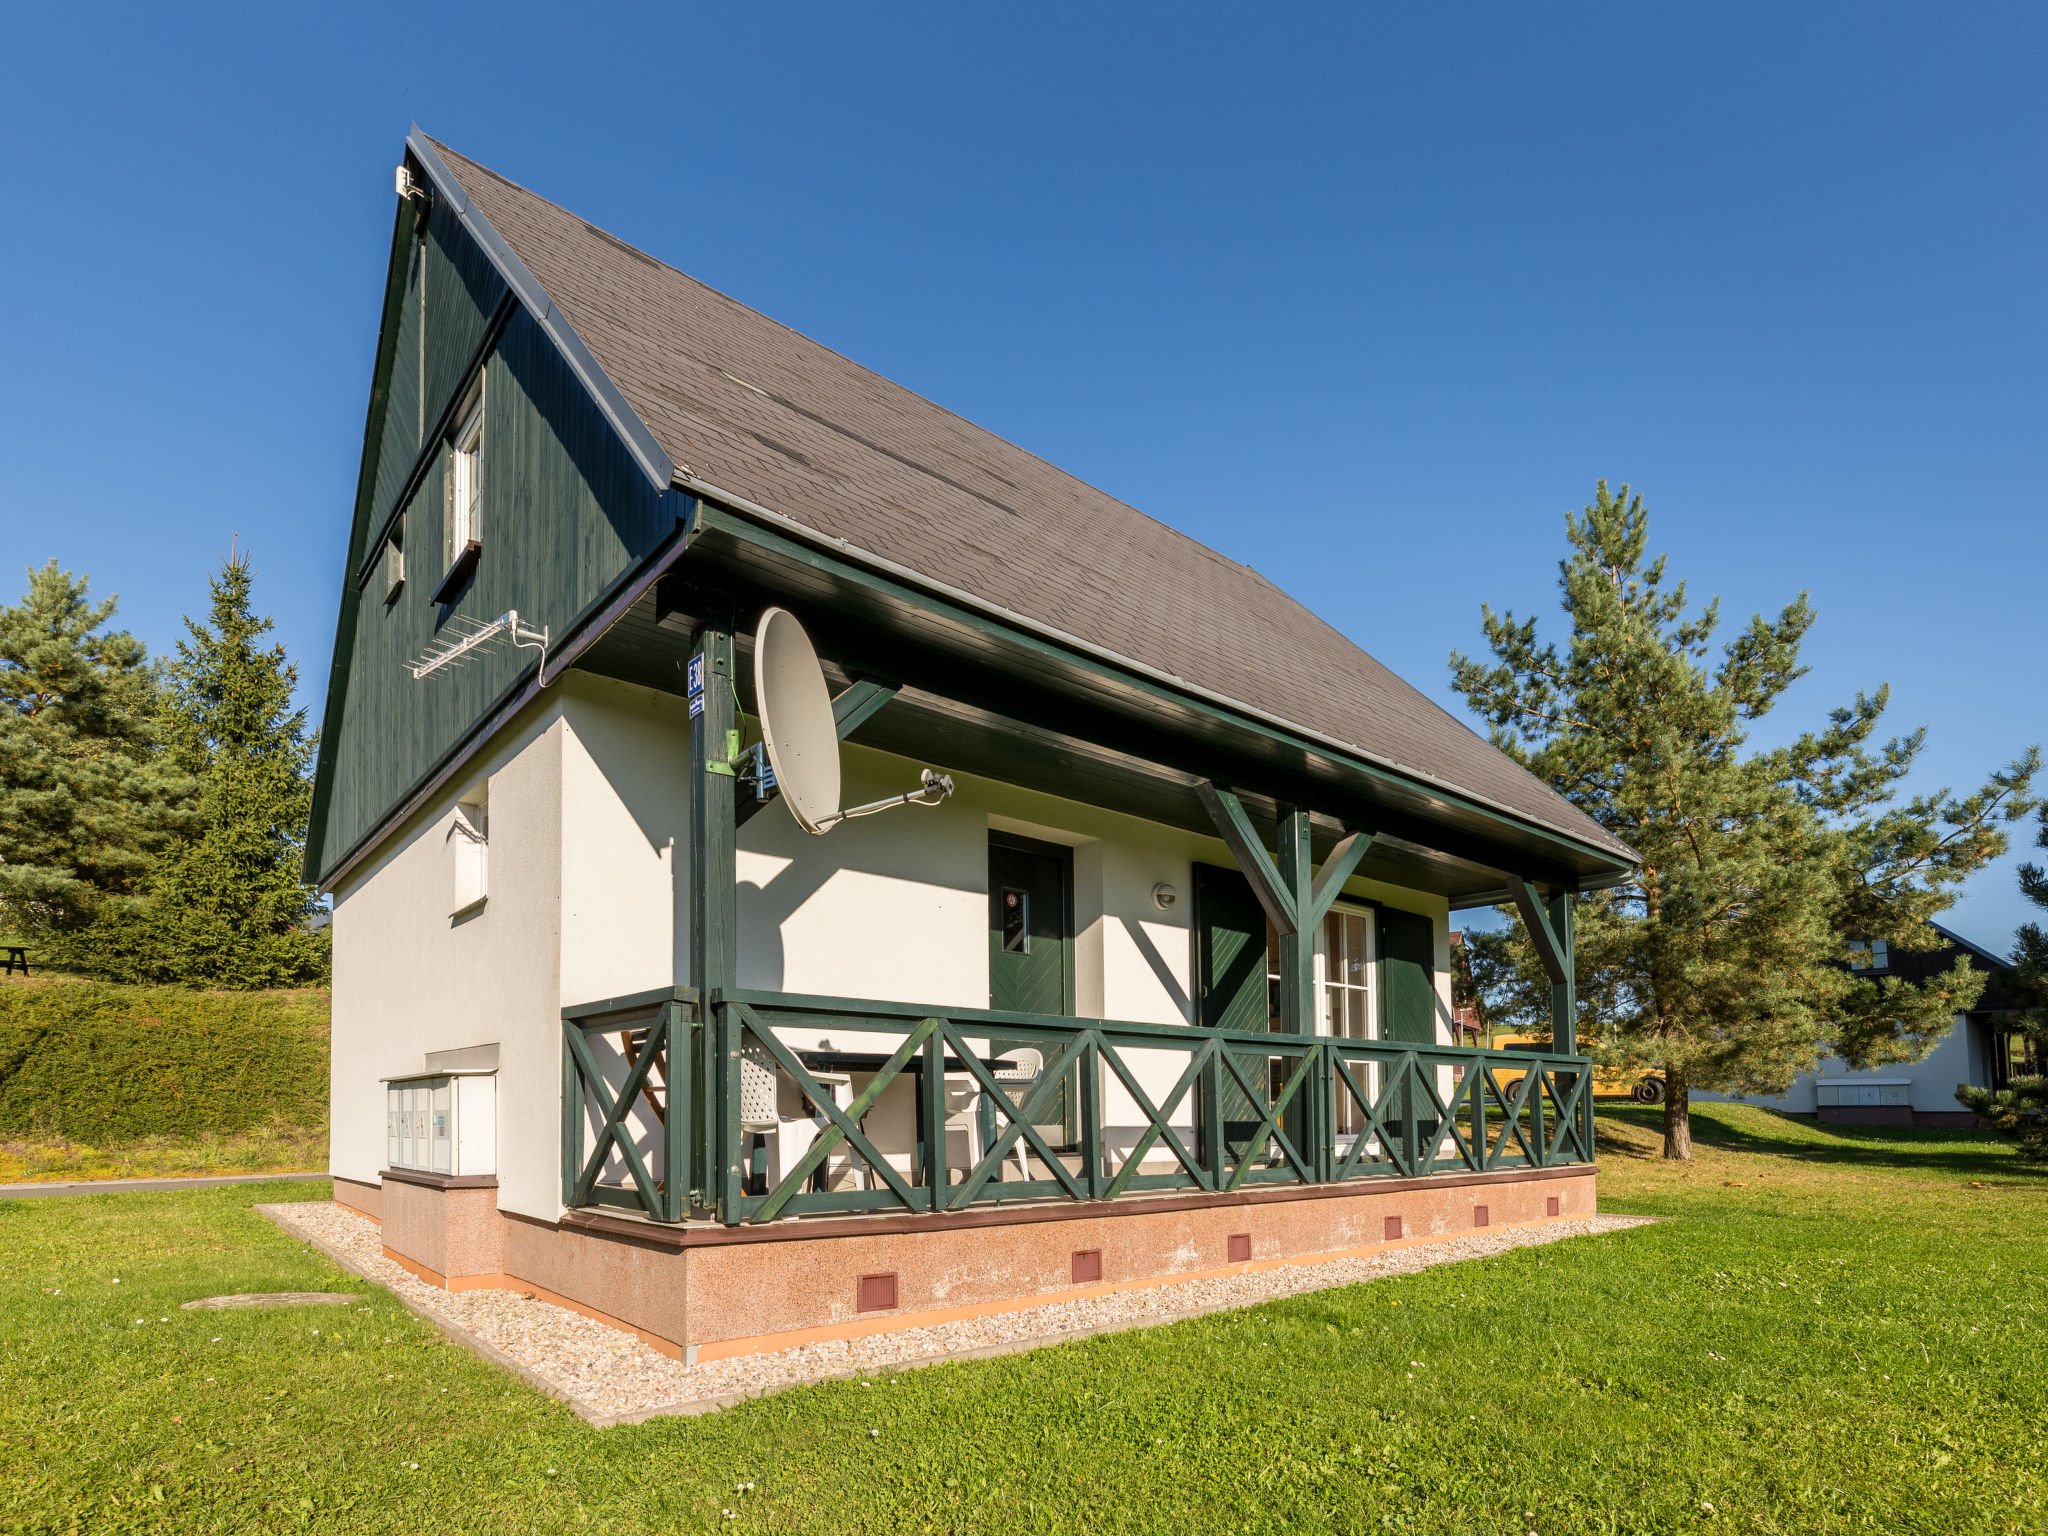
pixel 982 693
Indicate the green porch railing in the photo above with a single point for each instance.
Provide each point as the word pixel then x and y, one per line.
pixel 1310 1109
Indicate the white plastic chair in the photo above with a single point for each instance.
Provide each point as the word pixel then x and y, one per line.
pixel 1019 1080
pixel 790 1135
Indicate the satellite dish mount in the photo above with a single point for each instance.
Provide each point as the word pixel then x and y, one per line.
pixel 800 735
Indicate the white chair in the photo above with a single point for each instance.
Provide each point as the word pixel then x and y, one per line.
pixel 790 1135
pixel 1019 1081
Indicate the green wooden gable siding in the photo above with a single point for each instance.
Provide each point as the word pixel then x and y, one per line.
pixel 463 292
pixel 566 512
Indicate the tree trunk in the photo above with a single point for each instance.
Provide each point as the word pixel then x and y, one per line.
pixel 1677 1117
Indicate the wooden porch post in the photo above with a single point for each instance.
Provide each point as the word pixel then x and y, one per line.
pixel 1297 966
pixel 1564 1000
pixel 714 928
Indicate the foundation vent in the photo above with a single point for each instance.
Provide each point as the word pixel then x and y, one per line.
pixel 1551 1207
pixel 1479 1216
pixel 1240 1247
pixel 1393 1228
pixel 1087 1266
pixel 876 1293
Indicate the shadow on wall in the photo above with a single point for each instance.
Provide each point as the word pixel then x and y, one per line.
pixel 942 847
pixel 1168 979
pixel 639 743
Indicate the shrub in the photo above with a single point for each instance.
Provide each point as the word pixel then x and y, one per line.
pixel 101 1063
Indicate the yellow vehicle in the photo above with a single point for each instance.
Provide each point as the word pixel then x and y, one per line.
pixel 1608 1082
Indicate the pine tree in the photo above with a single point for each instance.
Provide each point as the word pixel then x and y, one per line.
pixel 86 798
pixel 2020 1109
pixel 226 906
pixel 1722 962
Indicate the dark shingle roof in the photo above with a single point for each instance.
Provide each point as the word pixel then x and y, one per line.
pixel 764 413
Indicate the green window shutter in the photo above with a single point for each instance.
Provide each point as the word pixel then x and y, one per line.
pixel 1230 951
pixel 1407 977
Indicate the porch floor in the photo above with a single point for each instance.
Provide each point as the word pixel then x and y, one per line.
pixel 609 1376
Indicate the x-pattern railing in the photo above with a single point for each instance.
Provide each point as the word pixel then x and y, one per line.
pixel 1321 1110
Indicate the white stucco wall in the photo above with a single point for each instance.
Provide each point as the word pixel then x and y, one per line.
pixel 410 979
pixel 1931 1084
pixel 588 898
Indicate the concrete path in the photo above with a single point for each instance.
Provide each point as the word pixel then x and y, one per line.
pixel 128 1186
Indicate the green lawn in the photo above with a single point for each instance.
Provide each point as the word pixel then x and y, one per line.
pixel 1833 1332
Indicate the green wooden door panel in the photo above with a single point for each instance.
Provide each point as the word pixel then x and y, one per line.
pixel 1232 989
pixel 1031 942
pixel 1407 977
pixel 1230 952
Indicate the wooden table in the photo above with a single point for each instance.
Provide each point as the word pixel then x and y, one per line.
pixel 874 1061
pixel 17 958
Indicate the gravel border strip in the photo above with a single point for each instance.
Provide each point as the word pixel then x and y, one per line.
pixel 454 1331
pixel 903 1349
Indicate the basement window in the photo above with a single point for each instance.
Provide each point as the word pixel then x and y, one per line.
pixel 470 833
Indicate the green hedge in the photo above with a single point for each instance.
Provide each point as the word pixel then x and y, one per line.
pixel 92 1062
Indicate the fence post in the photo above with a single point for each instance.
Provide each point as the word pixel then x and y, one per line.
pixel 1213 1154
pixel 1091 1115
pixel 934 1127
pixel 676 1122
pixel 572 1117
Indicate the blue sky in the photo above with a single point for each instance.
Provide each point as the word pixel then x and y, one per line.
pixel 1363 297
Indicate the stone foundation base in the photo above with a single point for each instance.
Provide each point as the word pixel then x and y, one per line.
pixel 708 1292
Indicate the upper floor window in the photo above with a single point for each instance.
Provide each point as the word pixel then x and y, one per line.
pixel 463 492
pixel 1868 955
pixel 466 483
pixel 394 561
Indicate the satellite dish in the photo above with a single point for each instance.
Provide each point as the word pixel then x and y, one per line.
pixel 796 720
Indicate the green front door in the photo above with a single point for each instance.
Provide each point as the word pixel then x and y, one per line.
pixel 1031 944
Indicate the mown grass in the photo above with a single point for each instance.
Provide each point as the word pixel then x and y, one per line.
pixel 1833 1331
pixel 269 1149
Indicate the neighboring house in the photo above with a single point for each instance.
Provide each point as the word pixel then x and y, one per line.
pixel 1163 986
pixel 1983 1050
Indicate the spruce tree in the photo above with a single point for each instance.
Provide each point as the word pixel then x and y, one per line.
pixel 2020 1109
pixel 1723 962
pixel 226 906
pixel 87 800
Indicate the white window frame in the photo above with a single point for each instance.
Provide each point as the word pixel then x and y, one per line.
pixel 394 560
pixel 466 481
pixel 469 832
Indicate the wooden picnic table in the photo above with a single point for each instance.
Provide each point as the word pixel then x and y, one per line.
pixel 17 958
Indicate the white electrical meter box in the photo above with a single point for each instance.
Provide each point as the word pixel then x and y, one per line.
pixel 445 1123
